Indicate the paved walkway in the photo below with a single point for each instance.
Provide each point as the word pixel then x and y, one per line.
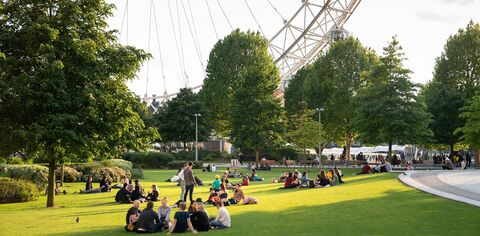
pixel 459 185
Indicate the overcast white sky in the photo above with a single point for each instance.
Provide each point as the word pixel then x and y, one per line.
pixel 422 28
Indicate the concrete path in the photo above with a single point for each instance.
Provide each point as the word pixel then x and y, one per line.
pixel 459 185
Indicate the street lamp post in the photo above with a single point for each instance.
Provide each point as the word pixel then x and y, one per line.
pixel 319 134
pixel 196 135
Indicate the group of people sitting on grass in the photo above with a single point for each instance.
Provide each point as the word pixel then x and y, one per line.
pixel 105 185
pixel 129 193
pixel 295 179
pixel 193 220
pixel 385 166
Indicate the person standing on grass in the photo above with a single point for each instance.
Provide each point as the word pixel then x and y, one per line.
pixel 222 220
pixel 181 220
pixel 181 177
pixel 148 221
pixel 189 181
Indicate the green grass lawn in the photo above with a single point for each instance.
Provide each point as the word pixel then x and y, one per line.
pixel 366 205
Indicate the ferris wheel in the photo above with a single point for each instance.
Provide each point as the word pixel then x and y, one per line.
pixel 296 42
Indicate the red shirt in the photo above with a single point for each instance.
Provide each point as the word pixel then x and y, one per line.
pixel 288 181
pixel 245 182
pixel 366 169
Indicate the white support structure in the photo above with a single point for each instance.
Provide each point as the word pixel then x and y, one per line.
pixel 303 37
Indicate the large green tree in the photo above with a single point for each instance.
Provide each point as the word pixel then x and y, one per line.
pixel 471 130
pixel 456 78
pixel 295 97
pixel 332 83
pixel 176 118
pixel 63 90
pixel 229 61
pixel 388 108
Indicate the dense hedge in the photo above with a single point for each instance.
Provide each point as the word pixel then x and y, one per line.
pixel 12 190
pixel 137 173
pixel 69 174
pixel 149 159
pixel 33 173
pixel 114 173
pixel 179 164
pixel 203 155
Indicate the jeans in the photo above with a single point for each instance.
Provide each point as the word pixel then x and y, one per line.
pixel 182 187
pixel 188 189
pixel 217 224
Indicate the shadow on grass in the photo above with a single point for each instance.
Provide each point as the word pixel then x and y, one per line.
pixel 394 213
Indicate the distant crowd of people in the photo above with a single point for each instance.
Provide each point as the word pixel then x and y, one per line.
pixel 295 179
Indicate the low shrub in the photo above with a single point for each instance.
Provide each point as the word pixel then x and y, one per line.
pixel 137 173
pixel 33 173
pixel 126 165
pixel 69 174
pixel 179 164
pixel 86 169
pixel 12 160
pixel 114 173
pixel 13 190
pixel 149 160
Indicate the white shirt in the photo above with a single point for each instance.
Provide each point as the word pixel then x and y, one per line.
pixel 223 216
pixel 388 166
pixel 180 175
pixel 214 168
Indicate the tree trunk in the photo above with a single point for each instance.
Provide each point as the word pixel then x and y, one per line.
pixel 389 155
pixel 51 183
pixel 348 143
pixel 62 174
pixel 477 158
pixel 257 157
pixel 451 147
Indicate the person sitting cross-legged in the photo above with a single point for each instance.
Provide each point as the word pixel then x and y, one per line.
pixel 164 213
pixel 148 221
pixel 222 220
pixel 132 217
pixel 199 217
pixel 181 220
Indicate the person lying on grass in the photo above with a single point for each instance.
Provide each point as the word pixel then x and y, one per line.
pixel 238 196
pixel 132 217
pixel 199 217
pixel 148 221
pixel 164 213
pixel 222 220
pixel 181 220
pixel 103 189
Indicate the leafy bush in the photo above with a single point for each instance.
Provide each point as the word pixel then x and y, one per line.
pixel 149 160
pixel 114 173
pixel 12 160
pixel 122 164
pixel 179 164
pixel 137 173
pixel 86 169
pixel 202 155
pixel 12 190
pixel 33 173
pixel 69 174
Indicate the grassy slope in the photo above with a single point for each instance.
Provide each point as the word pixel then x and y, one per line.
pixel 366 205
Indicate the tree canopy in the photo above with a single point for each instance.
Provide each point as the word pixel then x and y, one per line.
pixel 456 78
pixel 388 108
pixel 63 81
pixel 176 118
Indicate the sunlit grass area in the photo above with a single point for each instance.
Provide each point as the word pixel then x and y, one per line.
pixel 366 205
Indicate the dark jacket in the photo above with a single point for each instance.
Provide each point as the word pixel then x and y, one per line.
pixel 147 220
pixel 132 211
pixel 88 185
pixel 123 196
pixel 200 221
pixel 188 176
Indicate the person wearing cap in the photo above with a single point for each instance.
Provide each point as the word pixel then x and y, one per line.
pixel 216 183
